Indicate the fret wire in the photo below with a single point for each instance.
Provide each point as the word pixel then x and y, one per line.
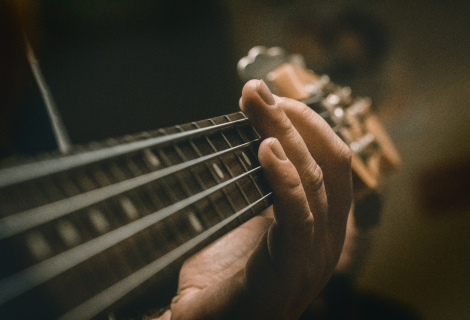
pixel 228 169
pixel 98 179
pixel 241 162
pixel 129 252
pixel 215 177
pixel 152 190
pixel 124 265
pixel 24 280
pixel 137 171
pixel 244 140
pixel 87 274
pixel 101 301
pixel 35 170
pixel 244 169
pixel 171 225
pixel 167 162
pixel 60 223
pixel 156 199
pixel 25 220
pixel 104 207
pixel 196 177
pixel 229 199
pixel 215 150
pixel 169 191
pixel 54 243
pixel 174 198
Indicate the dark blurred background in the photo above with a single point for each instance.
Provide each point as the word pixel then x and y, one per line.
pixel 120 67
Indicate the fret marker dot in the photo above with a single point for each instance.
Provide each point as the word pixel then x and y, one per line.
pixel 129 208
pixel 151 158
pixel 195 222
pixel 98 220
pixel 68 233
pixel 217 170
pixel 38 245
pixel 246 158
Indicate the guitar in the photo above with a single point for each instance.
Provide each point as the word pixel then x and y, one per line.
pixel 84 233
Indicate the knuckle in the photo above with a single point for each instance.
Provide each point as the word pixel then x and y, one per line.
pixel 311 117
pixel 314 177
pixel 284 122
pixel 293 183
pixel 306 112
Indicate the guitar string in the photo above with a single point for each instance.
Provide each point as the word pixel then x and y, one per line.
pixel 227 168
pixel 35 170
pixel 181 246
pixel 242 163
pixel 120 262
pixel 238 159
pixel 195 176
pixel 242 191
pixel 25 220
pixel 25 280
pixel 172 194
pixel 253 154
pixel 216 177
pixel 148 248
pixel 104 299
pixel 14 224
pixel 129 254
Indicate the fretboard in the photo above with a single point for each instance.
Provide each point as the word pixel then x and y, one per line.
pixel 79 233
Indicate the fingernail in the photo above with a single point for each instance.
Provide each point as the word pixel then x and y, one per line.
pixel 265 93
pixel 277 149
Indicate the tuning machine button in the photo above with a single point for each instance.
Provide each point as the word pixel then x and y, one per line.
pixel 324 79
pixel 314 88
pixel 260 61
pixel 345 95
pixel 318 87
pixel 360 108
pixel 363 144
pixel 339 117
pixel 332 99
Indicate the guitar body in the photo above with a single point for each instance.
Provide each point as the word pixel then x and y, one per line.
pixel 82 234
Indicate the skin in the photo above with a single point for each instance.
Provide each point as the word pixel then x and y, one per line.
pixel 273 266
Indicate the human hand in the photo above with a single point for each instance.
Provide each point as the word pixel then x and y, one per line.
pixel 274 265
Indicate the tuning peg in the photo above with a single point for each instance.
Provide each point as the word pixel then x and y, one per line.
pixel 362 144
pixel 260 61
pixel 360 108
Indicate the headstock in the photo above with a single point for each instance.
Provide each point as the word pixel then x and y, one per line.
pixel 350 116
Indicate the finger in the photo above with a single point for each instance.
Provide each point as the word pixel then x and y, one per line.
pixel 270 121
pixel 291 209
pixel 330 152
